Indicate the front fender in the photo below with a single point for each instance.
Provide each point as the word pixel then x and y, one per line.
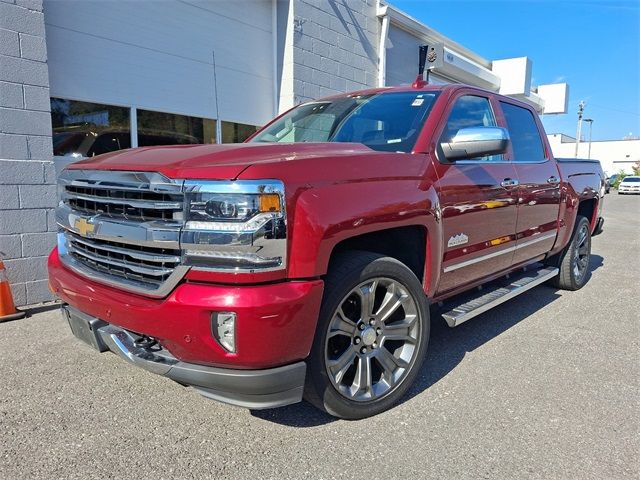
pixel 326 215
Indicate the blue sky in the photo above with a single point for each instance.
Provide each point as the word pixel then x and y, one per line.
pixel 594 46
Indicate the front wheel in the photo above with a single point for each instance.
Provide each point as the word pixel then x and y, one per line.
pixel 574 259
pixel 371 337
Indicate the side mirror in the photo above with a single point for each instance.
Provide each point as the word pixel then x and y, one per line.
pixel 476 142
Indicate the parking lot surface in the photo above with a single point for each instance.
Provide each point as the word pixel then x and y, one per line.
pixel 544 386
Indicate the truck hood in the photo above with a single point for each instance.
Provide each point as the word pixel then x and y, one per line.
pixel 215 162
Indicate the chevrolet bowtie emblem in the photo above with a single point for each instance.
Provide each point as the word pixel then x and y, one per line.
pixel 83 227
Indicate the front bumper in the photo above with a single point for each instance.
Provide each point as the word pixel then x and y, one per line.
pixel 275 322
pixel 256 389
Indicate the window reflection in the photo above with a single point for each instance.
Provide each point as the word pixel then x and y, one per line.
pixel 236 132
pixel 159 128
pixel 84 129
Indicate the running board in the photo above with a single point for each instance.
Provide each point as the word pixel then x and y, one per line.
pixel 491 299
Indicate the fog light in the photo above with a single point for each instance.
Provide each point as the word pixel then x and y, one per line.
pixel 223 327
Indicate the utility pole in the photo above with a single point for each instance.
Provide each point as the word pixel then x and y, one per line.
pixel 215 95
pixel 580 112
pixel 590 120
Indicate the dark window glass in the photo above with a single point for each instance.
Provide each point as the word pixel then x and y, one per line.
pixel 236 132
pixel 525 137
pixel 83 129
pixel 470 111
pixel 386 121
pixel 108 142
pixel 631 180
pixel 159 128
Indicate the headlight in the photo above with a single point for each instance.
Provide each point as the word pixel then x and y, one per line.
pixel 217 207
pixel 238 225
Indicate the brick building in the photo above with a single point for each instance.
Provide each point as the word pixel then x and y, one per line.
pixel 82 78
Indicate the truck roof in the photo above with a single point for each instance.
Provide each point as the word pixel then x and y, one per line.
pixel 448 88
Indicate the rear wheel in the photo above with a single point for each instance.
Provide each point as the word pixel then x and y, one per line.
pixel 371 337
pixel 574 259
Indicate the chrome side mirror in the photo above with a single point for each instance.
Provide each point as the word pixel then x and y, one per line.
pixel 476 142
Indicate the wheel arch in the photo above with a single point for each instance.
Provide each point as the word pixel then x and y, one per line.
pixel 588 208
pixel 407 244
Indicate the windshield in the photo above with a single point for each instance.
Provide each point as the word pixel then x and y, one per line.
pixel 383 121
pixel 631 180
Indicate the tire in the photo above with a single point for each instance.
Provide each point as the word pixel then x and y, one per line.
pixel 574 259
pixel 362 364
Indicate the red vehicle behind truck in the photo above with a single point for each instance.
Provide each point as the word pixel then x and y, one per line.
pixel 302 263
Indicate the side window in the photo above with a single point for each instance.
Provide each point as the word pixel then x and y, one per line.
pixel 470 111
pixel 525 136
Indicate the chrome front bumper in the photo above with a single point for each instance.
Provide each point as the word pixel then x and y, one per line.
pixel 255 389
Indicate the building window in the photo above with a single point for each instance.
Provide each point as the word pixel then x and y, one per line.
pixel 236 132
pixel 158 128
pixel 83 129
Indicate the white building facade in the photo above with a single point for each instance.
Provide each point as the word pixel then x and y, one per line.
pixel 80 78
pixel 615 156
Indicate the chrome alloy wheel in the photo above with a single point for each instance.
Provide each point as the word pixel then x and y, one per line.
pixel 581 253
pixel 372 339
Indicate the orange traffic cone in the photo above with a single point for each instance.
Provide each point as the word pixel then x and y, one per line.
pixel 7 307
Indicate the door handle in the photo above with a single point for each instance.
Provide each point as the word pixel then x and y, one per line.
pixel 509 182
pixel 553 180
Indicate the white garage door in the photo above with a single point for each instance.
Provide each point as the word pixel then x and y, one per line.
pixel 157 55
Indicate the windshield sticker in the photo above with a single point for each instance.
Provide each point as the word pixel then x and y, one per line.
pixel 417 102
pixel 394 140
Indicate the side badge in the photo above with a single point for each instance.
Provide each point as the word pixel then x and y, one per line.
pixel 456 240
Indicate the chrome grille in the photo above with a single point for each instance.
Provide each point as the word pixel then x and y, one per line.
pixel 131 202
pixel 122 228
pixel 149 267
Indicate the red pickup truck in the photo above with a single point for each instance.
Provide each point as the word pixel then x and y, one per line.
pixel 302 263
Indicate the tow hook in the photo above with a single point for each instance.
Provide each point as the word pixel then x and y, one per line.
pixel 145 342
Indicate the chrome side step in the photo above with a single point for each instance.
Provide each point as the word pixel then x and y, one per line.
pixel 488 300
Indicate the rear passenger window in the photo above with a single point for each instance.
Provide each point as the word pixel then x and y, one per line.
pixel 470 111
pixel 525 137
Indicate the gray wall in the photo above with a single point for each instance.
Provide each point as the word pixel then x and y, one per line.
pixel 402 58
pixel 27 177
pixel 335 47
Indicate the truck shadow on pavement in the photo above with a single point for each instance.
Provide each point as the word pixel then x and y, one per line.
pixel 447 348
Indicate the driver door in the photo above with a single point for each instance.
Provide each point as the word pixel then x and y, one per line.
pixel 478 201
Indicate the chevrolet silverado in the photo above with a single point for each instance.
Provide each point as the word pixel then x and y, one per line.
pixel 303 262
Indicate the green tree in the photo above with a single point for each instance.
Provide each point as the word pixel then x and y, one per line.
pixel 620 177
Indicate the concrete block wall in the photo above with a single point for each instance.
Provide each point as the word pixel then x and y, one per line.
pixel 27 175
pixel 335 47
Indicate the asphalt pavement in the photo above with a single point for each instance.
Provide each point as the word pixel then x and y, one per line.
pixel 544 386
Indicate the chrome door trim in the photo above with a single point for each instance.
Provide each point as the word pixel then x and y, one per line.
pixel 466 263
pixel 553 180
pixel 509 182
